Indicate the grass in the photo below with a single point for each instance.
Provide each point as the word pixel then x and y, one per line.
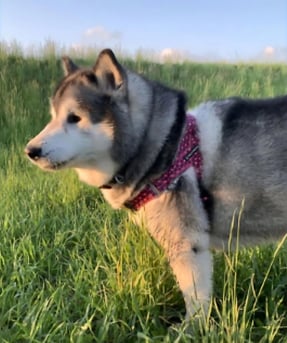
pixel 73 270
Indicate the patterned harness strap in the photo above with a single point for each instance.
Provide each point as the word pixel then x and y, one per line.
pixel 188 155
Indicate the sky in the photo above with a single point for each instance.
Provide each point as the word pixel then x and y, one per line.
pixel 196 29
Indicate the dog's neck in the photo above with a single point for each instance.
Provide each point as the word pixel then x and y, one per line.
pixel 187 155
pixel 152 157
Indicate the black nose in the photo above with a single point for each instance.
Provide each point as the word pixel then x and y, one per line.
pixel 33 152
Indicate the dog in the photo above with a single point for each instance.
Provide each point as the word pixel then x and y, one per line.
pixel 188 174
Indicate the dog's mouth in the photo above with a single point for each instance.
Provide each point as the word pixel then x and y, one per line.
pixel 55 165
pixel 49 165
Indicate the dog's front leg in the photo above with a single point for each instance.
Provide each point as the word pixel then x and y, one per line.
pixel 192 267
pixel 179 223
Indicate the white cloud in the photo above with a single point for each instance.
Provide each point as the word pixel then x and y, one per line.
pixel 269 50
pixel 172 55
pixel 272 54
pixel 166 53
pixel 102 34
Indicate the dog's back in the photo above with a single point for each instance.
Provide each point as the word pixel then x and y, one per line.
pixel 249 174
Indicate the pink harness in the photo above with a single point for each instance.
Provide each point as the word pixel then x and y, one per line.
pixel 188 155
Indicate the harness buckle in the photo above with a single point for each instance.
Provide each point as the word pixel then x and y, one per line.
pixel 154 189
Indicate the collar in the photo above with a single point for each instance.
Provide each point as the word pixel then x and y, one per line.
pixel 188 155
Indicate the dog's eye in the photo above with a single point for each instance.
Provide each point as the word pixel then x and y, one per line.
pixel 73 118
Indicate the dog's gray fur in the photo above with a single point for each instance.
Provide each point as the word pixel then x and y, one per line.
pixel 119 131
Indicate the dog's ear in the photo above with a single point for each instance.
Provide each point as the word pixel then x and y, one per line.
pixel 109 72
pixel 68 65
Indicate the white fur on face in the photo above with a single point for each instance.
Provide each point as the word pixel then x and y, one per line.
pixel 84 146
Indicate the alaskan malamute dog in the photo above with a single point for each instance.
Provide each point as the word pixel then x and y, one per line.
pixel 186 174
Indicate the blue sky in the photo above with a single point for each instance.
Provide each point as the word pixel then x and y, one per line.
pixel 208 29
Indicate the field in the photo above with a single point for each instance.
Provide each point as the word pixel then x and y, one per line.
pixel 73 270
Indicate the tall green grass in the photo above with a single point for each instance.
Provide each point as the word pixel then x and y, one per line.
pixel 73 270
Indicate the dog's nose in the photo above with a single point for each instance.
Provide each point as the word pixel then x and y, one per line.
pixel 33 152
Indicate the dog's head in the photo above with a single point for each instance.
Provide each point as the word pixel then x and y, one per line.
pixel 81 133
